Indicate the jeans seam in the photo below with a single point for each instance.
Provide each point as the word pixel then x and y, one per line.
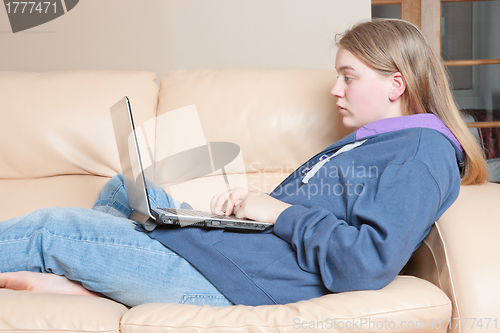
pixel 113 204
pixel 116 191
pixel 153 201
pixel 100 243
pixel 15 240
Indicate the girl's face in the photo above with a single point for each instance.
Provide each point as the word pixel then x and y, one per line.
pixel 364 95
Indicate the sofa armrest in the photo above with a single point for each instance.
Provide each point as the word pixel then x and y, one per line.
pixel 460 255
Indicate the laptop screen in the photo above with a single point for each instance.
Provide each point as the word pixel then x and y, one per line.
pixel 130 158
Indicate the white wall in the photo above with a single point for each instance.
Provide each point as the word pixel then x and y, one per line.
pixel 163 35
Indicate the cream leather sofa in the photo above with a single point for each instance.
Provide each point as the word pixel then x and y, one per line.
pixel 57 149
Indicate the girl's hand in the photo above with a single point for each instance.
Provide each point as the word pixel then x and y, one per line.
pixel 253 205
pixel 225 203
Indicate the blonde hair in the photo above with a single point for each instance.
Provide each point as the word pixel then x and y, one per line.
pixel 389 46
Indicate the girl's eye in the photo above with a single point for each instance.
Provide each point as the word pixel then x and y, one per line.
pixel 347 79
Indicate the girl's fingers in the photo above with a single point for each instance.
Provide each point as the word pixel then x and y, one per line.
pixel 219 203
pixel 230 203
pixel 226 201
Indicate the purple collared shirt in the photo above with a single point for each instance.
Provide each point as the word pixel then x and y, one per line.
pixel 425 120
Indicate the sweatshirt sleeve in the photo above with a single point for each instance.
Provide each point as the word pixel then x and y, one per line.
pixel 392 217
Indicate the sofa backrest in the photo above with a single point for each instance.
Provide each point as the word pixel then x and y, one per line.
pixel 57 146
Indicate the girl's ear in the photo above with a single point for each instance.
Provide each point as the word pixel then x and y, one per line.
pixel 398 86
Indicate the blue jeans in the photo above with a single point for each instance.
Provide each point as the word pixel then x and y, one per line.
pixel 101 249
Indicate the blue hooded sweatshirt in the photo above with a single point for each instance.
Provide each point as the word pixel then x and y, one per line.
pixel 352 226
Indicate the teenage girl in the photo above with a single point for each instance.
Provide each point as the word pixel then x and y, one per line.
pixel 332 232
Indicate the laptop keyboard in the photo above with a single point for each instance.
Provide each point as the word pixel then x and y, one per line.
pixel 189 212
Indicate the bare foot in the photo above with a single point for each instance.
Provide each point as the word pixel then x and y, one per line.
pixel 42 283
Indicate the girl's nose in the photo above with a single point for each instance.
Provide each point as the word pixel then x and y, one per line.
pixel 337 90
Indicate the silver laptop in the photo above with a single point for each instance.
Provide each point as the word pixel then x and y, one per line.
pixel 136 185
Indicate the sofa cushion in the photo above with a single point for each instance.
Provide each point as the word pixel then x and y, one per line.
pixel 65 190
pixel 407 304
pixel 57 124
pixel 25 311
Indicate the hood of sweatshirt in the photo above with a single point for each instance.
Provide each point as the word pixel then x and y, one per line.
pixel 424 120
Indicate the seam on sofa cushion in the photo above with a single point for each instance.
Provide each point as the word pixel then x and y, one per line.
pixel 453 295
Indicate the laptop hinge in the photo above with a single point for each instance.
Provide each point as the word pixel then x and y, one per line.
pixel 148 223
